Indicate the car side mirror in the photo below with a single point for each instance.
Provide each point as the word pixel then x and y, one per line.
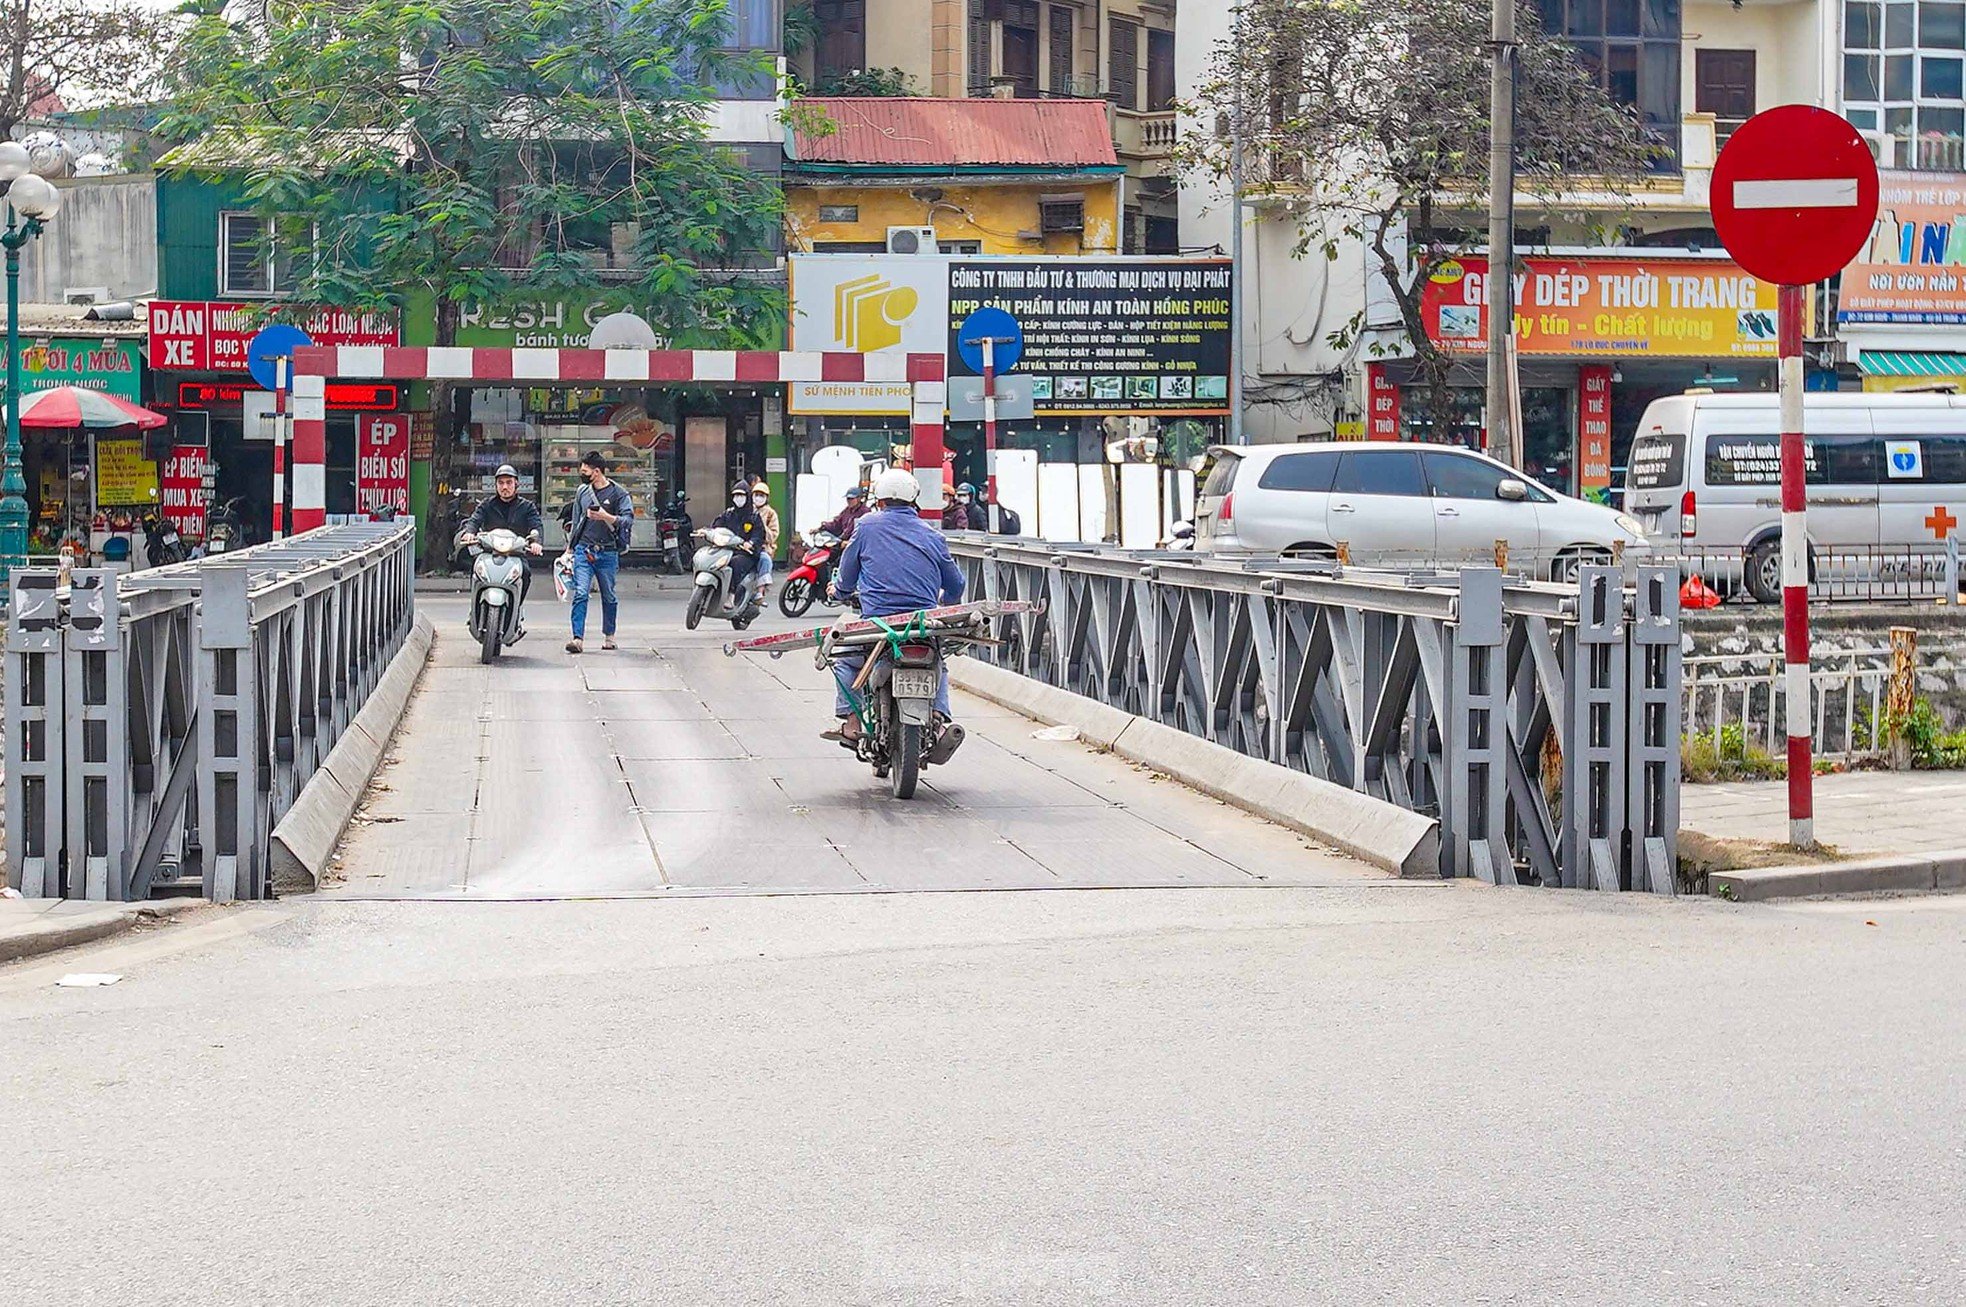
pixel 1512 490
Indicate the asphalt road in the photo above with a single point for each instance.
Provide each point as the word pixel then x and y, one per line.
pixel 1391 1093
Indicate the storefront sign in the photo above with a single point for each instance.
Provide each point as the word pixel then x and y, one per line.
pixel 1654 307
pixel 199 336
pixel 548 322
pixel 1140 335
pixel 124 477
pixel 866 304
pixel 1381 404
pixel 423 436
pixel 80 361
pixel 382 462
pixel 1915 269
pixel 182 492
pixel 1594 433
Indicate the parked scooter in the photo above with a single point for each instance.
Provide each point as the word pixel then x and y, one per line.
pixel 717 593
pixel 812 577
pixel 161 543
pixel 225 529
pixel 673 528
pixel 498 578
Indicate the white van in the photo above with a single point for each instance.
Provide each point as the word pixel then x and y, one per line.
pixel 1886 479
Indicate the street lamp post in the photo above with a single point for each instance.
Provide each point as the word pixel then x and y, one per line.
pixel 31 200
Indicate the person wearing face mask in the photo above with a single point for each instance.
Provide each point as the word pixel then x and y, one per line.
pixel 603 518
pixel 963 513
pixel 742 520
pixel 508 511
pixel 761 504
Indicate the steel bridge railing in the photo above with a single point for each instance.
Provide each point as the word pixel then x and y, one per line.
pixel 1540 723
pixel 160 724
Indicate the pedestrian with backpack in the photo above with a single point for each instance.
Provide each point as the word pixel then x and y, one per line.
pixel 603 522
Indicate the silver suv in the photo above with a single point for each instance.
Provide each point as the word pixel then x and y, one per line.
pixel 1397 505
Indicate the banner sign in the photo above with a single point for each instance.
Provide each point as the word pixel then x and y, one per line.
pixel 182 497
pixel 200 336
pixel 866 304
pixel 86 362
pixel 1644 308
pixel 1381 404
pixel 1594 432
pixel 382 462
pixel 1915 269
pixel 124 477
pixel 1138 335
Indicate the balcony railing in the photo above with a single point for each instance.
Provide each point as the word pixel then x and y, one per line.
pixel 1144 135
pixel 1931 152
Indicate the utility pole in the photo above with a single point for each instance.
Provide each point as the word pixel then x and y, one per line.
pixel 1504 440
pixel 1237 435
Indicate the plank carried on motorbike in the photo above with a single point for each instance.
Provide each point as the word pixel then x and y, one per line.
pixel 954 620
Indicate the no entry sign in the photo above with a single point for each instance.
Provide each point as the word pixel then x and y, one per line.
pixel 1794 195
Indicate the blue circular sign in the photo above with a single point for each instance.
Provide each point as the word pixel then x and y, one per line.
pixel 274 342
pixel 990 322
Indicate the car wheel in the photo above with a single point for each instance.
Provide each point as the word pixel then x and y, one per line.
pixel 1571 562
pixel 1765 572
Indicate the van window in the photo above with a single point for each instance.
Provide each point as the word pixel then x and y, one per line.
pixel 1657 461
pixel 1219 477
pixel 1834 460
pixel 1922 459
pixel 1380 472
pixel 1300 472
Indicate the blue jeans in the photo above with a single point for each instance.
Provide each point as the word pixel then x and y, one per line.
pixel 846 668
pixel 764 570
pixel 585 573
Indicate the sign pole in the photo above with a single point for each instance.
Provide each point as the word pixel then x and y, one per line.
pixel 280 449
pixel 1795 575
pixel 990 427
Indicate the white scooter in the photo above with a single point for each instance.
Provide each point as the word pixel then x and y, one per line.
pixel 717 595
pixel 498 578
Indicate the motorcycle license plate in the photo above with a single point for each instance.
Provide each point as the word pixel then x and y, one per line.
pixel 914 682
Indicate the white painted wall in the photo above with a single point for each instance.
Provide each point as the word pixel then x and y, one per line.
pixel 105 236
pixel 1786 38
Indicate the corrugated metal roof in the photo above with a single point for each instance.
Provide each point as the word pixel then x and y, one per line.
pixel 961 133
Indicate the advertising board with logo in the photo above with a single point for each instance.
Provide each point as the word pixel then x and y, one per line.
pixel 1644 308
pixel 200 336
pixel 88 362
pixel 1127 335
pixel 382 462
pixel 866 304
pixel 1914 271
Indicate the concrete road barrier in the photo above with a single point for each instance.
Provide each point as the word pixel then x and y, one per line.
pixel 1908 873
pixel 1404 843
pixel 306 837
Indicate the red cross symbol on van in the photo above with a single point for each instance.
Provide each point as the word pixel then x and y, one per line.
pixel 1941 522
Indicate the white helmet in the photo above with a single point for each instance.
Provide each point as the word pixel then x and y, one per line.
pixel 896 484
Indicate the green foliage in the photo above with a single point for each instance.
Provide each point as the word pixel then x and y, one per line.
pixel 801 29
pixel 1727 755
pixel 478 151
pixel 1932 746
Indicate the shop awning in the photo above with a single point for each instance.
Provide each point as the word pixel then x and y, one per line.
pixel 1899 363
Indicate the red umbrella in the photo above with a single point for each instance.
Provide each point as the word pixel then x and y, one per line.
pixel 74 408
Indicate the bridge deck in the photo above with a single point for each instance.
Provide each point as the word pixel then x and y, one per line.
pixel 667 768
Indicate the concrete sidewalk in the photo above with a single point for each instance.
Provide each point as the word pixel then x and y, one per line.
pixel 1858 812
pixel 32 927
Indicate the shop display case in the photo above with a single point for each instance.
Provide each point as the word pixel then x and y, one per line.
pixel 642 472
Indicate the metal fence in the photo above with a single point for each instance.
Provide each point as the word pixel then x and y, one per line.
pixel 1539 722
pixel 1739 701
pixel 161 723
pixel 1837 573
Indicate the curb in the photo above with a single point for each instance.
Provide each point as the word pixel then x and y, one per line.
pixel 1892 873
pixel 306 837
pixel 1392 839
pixel 43 937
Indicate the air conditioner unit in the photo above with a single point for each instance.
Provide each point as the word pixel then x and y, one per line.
pixel 1883 147
pixel 85 295
pixel 911 240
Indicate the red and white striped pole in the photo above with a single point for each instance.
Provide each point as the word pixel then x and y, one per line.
pixel 280 448
pixel 1795 575
pixel 990 429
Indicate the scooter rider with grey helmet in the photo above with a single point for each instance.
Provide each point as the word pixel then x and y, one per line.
pixel 509 510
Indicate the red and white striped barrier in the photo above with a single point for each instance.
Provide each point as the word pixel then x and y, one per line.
pixel 314 366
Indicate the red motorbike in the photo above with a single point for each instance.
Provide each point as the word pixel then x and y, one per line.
pixel 808 581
